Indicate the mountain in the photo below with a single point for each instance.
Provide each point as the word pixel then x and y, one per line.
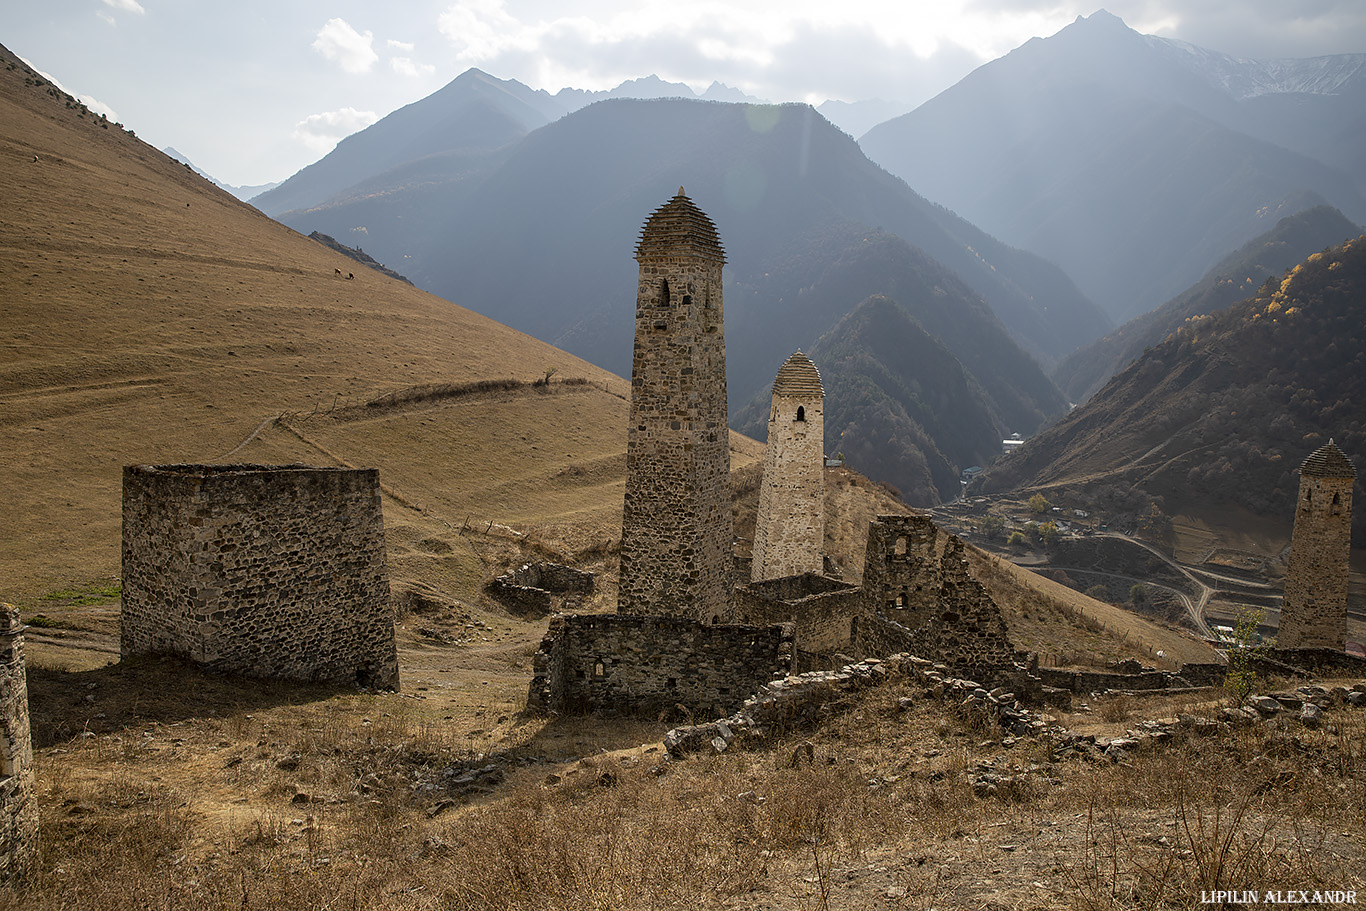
pixel 858 117
pixel 147 316
pixel 541 237
pixel 898 405
pixel 1133 162
pixel 1294 238
pixel 1225 408
pixel 240 192
pixel 472 113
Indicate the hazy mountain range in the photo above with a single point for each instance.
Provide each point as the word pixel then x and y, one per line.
pixel 1135 162
pixel 540 233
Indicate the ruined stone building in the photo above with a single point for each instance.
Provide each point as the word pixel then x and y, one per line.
pixel 1314 612
pixel 18 797
pixel 920 597
pixel 676 522
pixel 789 531
pixel 259 570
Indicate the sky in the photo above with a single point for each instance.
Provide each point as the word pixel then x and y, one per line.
pixel 252 91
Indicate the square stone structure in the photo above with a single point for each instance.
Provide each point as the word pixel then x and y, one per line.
pixel 18 796
pixel 821 609
pixel 264 571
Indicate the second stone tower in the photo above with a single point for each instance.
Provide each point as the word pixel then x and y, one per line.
pixel 676 522
pixel 789 531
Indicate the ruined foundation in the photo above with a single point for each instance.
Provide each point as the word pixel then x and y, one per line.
pixel 620 664
pixel 259 570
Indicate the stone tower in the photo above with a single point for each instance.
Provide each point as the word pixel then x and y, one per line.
pixel 789 533
pixel 18 797
pixel 676 521
pixel 1314 612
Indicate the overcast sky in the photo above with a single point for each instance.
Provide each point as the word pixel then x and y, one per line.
pixel 253 90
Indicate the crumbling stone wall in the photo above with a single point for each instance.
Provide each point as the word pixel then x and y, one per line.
pixel 540 588
pixel 258 570
pixel 916 577
pixel 789 529
pixel 676 520
pixel 821 610
pixel 902 576
pixel 1314 612
pixel 18 797
pixel 639 665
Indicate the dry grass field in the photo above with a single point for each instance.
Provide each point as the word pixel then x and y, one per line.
pixel 146 316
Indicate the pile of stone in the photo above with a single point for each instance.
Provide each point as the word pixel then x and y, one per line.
pixel 800 699
pixel 1304 704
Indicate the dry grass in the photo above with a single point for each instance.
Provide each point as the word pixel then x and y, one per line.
pixel 342 801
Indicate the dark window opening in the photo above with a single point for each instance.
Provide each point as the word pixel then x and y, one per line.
pixel 673 683
pixel 687 300
pixel 801 412
pixel 716 618
pixel 664 292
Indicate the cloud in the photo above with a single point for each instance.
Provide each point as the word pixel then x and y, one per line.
pixel 405 66
pixel 128 6
pixel 90 101
pixel 406 46
pixel 321 132
pixel 346 47
pixel 106 17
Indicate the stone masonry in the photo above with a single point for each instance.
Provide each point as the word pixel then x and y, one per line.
pixel 638 665
pixel 18 798
pixel 789 531
pixel 1314 612
pixel 920 597
pixel 821 609
pixel 259 570
pixel 676 521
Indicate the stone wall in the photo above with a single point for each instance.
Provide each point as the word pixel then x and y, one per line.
pixel 1314 611
pixel 789 528
pixel 540 588
pixel 916 577
pixel 901 568
pixel 676 519
pixel 821 610
pixel 637 665
pixel 18 797
pixel 258 570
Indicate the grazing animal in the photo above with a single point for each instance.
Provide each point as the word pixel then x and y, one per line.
pixel 336 272
pixel 350 275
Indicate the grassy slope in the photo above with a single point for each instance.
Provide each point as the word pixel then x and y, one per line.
pixel 146 316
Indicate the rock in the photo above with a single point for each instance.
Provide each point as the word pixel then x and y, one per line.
pixel 1310 715
pixel 1264 704
pixel 1356 697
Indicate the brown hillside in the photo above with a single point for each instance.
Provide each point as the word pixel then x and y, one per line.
pixel 147 316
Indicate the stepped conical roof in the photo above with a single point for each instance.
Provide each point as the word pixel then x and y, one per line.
pixel 1328 462
pixel 679 226
pixel 798 376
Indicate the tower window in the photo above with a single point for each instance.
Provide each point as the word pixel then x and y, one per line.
pixel 599 670
pixel 801 412
pixel 687 300
pixel 900 548
pixel 664 292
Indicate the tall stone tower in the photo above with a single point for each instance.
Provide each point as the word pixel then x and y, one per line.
pixel 1314 612
pixel 676 524
pixel 789 532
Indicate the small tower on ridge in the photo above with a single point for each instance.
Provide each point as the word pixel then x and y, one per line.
pixel 789 531
pixel 1314 612
pixel 676 527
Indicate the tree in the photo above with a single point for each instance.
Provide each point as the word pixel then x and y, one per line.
pixel 1048 534
pixel 1138 595
pixel 1039 503
pixel 1017 539
pixel 991 526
